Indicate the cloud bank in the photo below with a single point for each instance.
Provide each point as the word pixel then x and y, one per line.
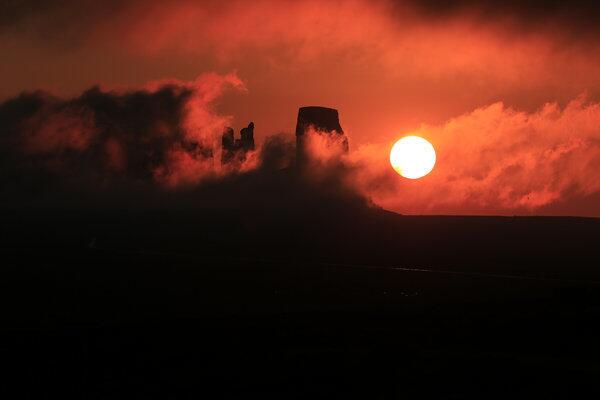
pixel 164 132
pixel 495 159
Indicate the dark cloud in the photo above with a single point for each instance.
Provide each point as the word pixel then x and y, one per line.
pixel 96 134
pixel 161 134
pixel 70 20
pixel 570 17
pixel 62 15
pixel 149 147
pixel 59 23
pixel 582 12
pixel 15 12
pixel 526 8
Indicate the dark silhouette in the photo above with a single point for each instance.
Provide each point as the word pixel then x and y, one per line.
pixel 321 119
pixel 246 143
pixel 234 150
pixel 227 146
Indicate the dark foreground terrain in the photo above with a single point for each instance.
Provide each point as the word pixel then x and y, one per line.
pixel 334 303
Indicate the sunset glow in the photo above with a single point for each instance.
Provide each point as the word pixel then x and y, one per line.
pixel 300 198
pixel 508 94
pixel 412 157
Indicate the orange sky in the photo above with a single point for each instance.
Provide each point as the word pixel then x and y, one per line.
pixel 511 107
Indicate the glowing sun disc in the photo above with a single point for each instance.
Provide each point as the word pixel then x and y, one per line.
pixel 412 157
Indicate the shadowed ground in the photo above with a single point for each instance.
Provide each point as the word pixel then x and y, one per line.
pixel 343 301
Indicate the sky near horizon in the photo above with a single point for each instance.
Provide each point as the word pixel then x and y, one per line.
pixel 507 92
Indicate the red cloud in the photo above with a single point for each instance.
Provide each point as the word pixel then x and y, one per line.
pixel 494 160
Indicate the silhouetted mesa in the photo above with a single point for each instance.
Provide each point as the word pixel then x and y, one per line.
pixel 321 119
pixel 227 145
pixel 235 149
pixel 246 143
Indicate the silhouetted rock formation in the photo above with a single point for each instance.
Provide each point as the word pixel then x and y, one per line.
pixel 246 143
pixel 227 146
pixel 235 149
pixel 320 119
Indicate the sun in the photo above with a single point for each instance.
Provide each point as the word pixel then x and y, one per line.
pixel 412 157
